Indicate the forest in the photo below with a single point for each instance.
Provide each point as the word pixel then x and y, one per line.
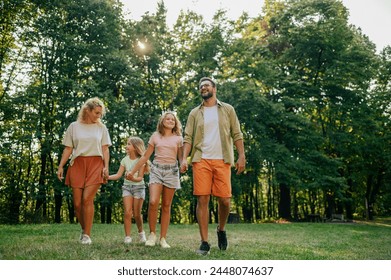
pixel 311 91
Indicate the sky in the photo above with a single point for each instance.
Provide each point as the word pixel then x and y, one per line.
pixel 372 16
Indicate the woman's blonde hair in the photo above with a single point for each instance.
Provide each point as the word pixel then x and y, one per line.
pixel 139 147
pixel 90 105
pixel 177 128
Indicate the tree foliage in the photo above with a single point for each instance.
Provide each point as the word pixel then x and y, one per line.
pixel 310 91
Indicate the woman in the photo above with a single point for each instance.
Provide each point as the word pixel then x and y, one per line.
pixel 87 141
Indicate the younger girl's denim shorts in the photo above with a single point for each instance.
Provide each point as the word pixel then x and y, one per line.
pixel 137 191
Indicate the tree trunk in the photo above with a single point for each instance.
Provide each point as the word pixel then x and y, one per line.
pixel 71 209
pixel 373 188
pixel 193 211
pixel 57 206
pixel 40 206
pixel 109 211
pixel 257 208
pixel 213 211
pixel 330 204
pixel 368 195
pixel 247 209
pixel 14 206
pixel 284 207
pixel 102 213
pixel 295 207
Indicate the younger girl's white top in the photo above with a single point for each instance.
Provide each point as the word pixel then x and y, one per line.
pixel 128 164
pixel 86 139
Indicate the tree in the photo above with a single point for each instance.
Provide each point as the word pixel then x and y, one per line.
pixel 326 70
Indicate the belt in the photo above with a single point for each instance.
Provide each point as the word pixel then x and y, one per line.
pixel 165 166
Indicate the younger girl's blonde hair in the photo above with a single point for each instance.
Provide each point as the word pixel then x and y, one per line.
pixel 139 147
pixel 177 128
pixel 90 105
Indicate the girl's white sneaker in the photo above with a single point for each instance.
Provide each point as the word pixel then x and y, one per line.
pixel 128 240
pixel 163 243
pixel 141 236
pixel 151 240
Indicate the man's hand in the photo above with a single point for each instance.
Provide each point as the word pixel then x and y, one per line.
pixel 184 166
pixel 240 165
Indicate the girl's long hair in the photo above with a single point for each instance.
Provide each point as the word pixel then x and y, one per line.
pixel 139 147
pixel 177 128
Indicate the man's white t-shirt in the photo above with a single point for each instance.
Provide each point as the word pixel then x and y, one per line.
pixel 211 146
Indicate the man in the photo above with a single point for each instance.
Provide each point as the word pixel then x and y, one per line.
pixel 211 130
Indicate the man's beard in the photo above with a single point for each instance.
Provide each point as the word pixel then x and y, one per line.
pixel 207 96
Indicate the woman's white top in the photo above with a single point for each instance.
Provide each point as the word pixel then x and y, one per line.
pixel 86 139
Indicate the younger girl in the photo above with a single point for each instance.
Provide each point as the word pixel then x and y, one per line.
pixel 167 144
pixel 133 192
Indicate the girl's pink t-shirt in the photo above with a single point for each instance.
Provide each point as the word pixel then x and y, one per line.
pixel 166 147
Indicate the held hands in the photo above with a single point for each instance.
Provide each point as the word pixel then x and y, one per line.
pixel 129 176
pixel 105 174
pixel 184 166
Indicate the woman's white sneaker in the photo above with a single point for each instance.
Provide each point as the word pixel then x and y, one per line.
pixel 86 239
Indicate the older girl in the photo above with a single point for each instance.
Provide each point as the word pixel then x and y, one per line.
pixel 167 144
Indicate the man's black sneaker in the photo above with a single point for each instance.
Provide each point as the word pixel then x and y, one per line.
pixel 204 248
pixel 222 239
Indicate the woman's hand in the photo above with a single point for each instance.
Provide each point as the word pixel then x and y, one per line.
pixel 60 173
pixel 105 174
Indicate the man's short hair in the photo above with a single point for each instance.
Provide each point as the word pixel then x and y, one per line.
pixel 207 79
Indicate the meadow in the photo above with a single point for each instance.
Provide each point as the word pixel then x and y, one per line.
pixel 265 241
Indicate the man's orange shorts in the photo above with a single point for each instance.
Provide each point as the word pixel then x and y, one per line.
pixel 212 177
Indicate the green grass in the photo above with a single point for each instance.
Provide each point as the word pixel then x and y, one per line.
pixel 288 241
